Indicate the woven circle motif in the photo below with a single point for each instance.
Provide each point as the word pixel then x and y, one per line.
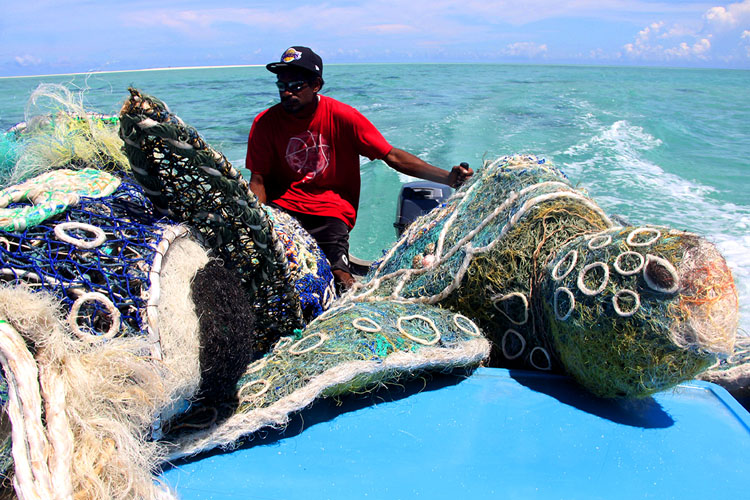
pixel 616 302
pixel 573 256
pixel 505 341
pixel 581 276
pixel 599 241
pixel 627 272
pixel 419 340
pixel 556 302
pixel 655 235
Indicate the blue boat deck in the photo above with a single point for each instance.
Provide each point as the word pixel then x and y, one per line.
pixel 497 433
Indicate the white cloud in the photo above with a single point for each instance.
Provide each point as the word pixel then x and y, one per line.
pixel 524 49
pixel 27 60
pixel 695 40
pixel 731 16
pixel 391 29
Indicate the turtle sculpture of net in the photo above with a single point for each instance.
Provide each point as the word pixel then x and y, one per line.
pixel 627 311
pixel 139 304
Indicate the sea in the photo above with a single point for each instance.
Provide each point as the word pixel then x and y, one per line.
pixel 653 145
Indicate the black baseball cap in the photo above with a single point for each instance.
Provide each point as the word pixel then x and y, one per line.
pixel 298 57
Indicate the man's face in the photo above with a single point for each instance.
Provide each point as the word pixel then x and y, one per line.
pixel 298 94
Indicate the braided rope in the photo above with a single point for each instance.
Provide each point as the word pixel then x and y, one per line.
pixel 30 447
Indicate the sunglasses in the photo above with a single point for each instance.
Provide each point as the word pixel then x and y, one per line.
pixel 292 87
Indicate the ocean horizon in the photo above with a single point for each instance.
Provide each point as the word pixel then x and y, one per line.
pixel 668 146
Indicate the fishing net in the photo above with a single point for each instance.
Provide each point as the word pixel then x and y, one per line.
pixel 87 238
pixel 189 181
pixel 58 132
pixel 635 310
pixel 487 252
pixel 346 349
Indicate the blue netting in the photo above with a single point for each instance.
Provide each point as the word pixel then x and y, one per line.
pixel 118 268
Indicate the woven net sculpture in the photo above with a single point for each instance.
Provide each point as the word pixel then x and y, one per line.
pixel 189 181
pixel 490 252
pixel 347 349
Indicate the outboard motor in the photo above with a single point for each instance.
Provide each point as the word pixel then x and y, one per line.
pixel 418 198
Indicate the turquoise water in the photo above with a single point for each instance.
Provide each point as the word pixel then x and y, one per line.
pixel 663 146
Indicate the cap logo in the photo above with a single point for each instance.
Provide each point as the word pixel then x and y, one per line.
pixel 291 55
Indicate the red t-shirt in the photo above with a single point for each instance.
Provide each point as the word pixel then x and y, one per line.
pixel 311 165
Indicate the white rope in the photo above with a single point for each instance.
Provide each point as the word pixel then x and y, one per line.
pixel 58 429
pixel 627 272
pixel 29 448
pixel 571 299
pixel 546 355
pixel 114 314
pixel 257 365
pixel 656 234
pixel 153 295
pixel 473 329
pixel 265 385
pixel 294 348
pixel 62 234
pixel 595 244
pixel 556 270
pixel 419 340
pixel 372 328
pixel 507 296
pixel 616 303
pixel 593 291
pixel 505 340
pixel 653 259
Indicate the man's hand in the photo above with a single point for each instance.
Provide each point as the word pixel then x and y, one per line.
pixel 459 174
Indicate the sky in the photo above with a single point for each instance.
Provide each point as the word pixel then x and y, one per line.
pixel 79 36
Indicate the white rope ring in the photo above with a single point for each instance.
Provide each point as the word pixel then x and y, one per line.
pixel 556 302
pixel 508 296
pixel 266 385
pixel 417 339
pixel 357 323
pixel 591 291
pixel 618 265
pixel 473 329
pixel 546 355
pixel 635 232
pixel 62 235
pixel 504 343
pixel 616 303
pixel 256 365
pixel 555 270
pixel 294 348
pixel 607 239
pixel 102 299
pixel 282 343
pixel 666 265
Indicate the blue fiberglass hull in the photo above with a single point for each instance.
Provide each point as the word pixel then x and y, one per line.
pixel 495 434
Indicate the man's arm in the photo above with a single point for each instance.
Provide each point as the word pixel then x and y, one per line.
pixel 258 187
pixel 408 164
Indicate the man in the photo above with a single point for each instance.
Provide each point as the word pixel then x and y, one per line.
pixel 304 157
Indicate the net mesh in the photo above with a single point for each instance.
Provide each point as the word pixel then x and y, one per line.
pixel 58 132
pixel 100 244
pixel 189 181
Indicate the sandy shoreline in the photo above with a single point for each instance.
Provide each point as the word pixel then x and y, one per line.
pixel 170 68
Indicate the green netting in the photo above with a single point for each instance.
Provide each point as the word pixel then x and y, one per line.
pixel 59 133
pixel 633 311
pixel 347 349
pixel 487 254
pixel 190 182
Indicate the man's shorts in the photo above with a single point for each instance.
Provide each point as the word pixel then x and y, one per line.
pixel 332 235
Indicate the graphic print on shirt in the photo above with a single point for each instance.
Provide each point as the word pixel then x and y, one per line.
pixel 308 155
